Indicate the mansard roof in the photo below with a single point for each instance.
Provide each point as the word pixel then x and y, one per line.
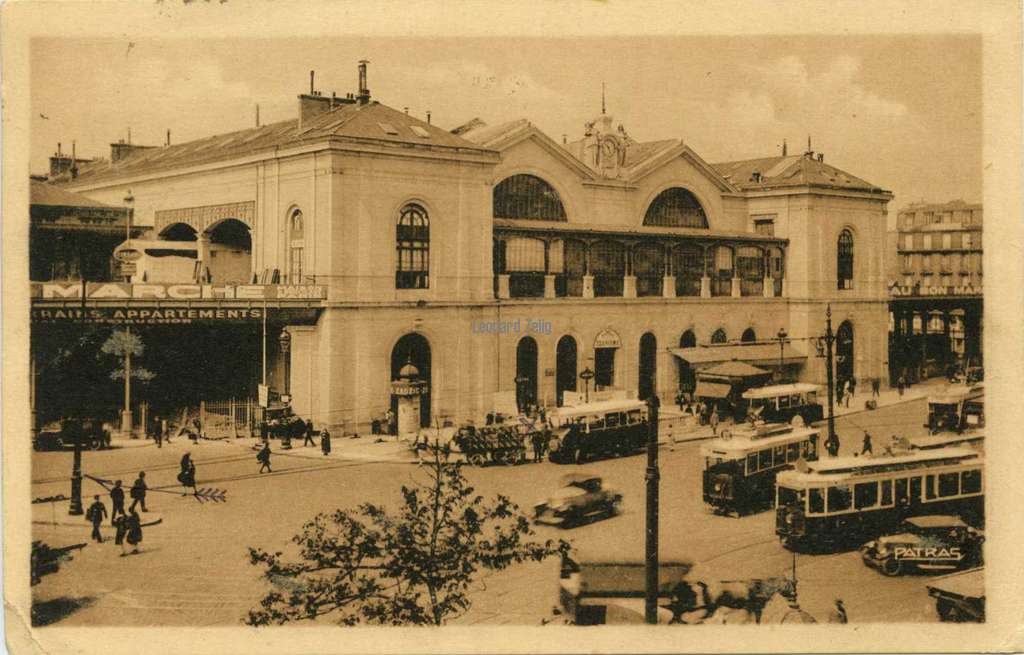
pixel 804 170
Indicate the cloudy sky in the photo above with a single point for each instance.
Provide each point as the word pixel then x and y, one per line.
pixel 903 112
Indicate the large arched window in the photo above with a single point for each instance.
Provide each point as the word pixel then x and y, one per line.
pixel 413 243
pixel 749 336
pixel 844 260
pixel 529 197
pixel 296 246
pixel 676 207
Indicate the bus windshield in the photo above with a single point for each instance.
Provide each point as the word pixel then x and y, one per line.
pixel 791 497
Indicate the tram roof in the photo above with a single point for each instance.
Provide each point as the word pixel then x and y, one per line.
pixel 749 442
pixel 833 469
pixel 780 390
pixel 956 393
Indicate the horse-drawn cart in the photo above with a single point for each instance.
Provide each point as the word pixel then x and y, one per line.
pixel 500 444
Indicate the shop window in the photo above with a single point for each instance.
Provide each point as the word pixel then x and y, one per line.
pixel 970 482
pixel 413 244
pixel 839 498
pixel 865 495
pixel 816 501
pixel 844 260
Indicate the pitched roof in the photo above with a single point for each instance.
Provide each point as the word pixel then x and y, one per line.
pixel 792 171
pixel 735 369
pixel 372 122
pixel 637 152
pixel 484 134
pixel 43 194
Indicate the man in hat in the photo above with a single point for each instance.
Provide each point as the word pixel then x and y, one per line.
pixel 866 447
pixel 308 440
pixel 838 614
pixel 96 513
pixel 263 457
pixel 138 492
pixel 116 501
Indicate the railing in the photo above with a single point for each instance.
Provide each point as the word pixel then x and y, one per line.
pixel 526 285
pixel 721 286
pixel 751 286
pixel 608 285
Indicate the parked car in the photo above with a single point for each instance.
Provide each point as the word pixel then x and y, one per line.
pixel 926 543
pixel 62 434
pixel 581 498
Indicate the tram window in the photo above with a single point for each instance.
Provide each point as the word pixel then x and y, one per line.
pixel 783 402
pixel 596 424
pixel 929 487
pixel 793 452
pixel 780 455
pixel 886 492
pixel 816 501
pixel 790 497
pixel 611 420
pixel 865 495
pixel 634 416
pixel 795 400
pixel 764 459
pixel 839 498
pixel 949 484
pixel 970 482
pixel 751 463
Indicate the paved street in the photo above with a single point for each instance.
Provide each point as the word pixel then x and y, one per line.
pixel 193 568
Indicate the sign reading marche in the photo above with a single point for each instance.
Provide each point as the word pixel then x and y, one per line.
pixel 124 291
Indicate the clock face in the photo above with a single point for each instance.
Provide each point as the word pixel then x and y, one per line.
pixel 608 148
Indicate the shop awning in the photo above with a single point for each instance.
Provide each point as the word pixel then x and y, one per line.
pixel 757 354
pixel 712 390
pixel 735 370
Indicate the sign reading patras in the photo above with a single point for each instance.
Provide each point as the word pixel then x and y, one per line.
pixel 123 291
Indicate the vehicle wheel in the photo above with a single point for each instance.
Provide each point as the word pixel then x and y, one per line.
pixel 891 566
pixel 945 610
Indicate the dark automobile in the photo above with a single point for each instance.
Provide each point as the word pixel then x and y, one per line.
pixel 926 543
pixel 63 434
pixel 960 597
pixel 582 497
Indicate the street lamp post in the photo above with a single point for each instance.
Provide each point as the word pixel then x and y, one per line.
pixel 75 506
pixel 587 375
pixel 781 336
pixel 828 341
pixel 126 414
pixel 652 478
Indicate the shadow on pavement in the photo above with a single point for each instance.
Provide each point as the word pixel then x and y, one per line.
pixel 51 611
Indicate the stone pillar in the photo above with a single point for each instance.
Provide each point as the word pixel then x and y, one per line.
pixel 629 286
pixel 408 415
pixel 588 286
pixel 736 287
pixel 549 286
pixel 503 292
pixel 668 286
pixel 705 287
pixel 769 287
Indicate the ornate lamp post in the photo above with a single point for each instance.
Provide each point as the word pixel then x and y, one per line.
pixel 126 413
pixel 781 336
pixel 587 375
pixel 75 507
pixel 652 478
pixel 285 340
pixel 824 345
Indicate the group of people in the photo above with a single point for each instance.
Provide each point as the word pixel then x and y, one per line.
pixel 127 524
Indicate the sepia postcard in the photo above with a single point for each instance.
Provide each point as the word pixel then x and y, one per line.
pixel 527 327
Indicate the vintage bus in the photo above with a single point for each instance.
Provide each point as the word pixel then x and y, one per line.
pixel 781 402
pixel 606 428
pixel 842 502
pixel 958 408
pixel 740 468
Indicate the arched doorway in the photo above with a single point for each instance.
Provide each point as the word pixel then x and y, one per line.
pixel 230 260
pixel 647 385
pixel 687 377
pixel 844 353
pixel 526 373
pixel 414 349
pixel 565 367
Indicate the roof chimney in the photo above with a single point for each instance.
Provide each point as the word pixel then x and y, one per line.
pixel 313 104
pixel 428 117
pixel 312 90
pixel 364 90
pixel 168 138
pixel 783 147
pixel 257 114
pixel 120 150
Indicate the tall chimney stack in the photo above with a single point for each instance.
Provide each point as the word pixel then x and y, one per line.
pixel 257 114
pixel 168 137
pixel 428 117
pixel 364 90
pixel 312 91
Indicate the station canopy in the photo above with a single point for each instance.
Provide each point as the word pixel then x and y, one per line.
pixel 756 354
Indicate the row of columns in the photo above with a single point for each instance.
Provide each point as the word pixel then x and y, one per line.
pixel 668 287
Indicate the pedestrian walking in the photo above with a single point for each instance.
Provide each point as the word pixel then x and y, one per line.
pixel 866 447
pixel 121 530
pixel 325 442
pixel 138 492
pixel 838 614
pixel 901 384
pixel 187 475
pixel 876 385
pixel 853 386
pixel 117 502
pixel 308 440
pixel 714 421
pixel 535 441
pixel 263 457
pixel 839 392
pixel 848 393
pixel 158 432
pixel 96 514
pixel 133 528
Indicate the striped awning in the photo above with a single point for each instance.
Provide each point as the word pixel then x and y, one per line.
pixel 712 390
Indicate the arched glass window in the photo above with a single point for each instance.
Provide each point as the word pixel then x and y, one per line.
pixel 649 268
pixel 676 207
pixel 844 260
pixel 296 246
pixel 719 336
pixel 413 244
pixel 529 197
pixel 748 336
pixel 688 267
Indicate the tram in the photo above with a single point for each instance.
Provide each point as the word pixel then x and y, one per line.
pixel 956 409
pixel 782 402
pixel 607 428
pixel 842 502
pixel 740 468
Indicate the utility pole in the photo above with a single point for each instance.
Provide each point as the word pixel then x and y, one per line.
pixel 830 340
pixel 651 543
pixel 75 507
pixel 126 414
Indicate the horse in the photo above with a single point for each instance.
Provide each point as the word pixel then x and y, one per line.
pixel 713 596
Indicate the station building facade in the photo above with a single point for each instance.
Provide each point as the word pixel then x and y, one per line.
pixel 501 264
